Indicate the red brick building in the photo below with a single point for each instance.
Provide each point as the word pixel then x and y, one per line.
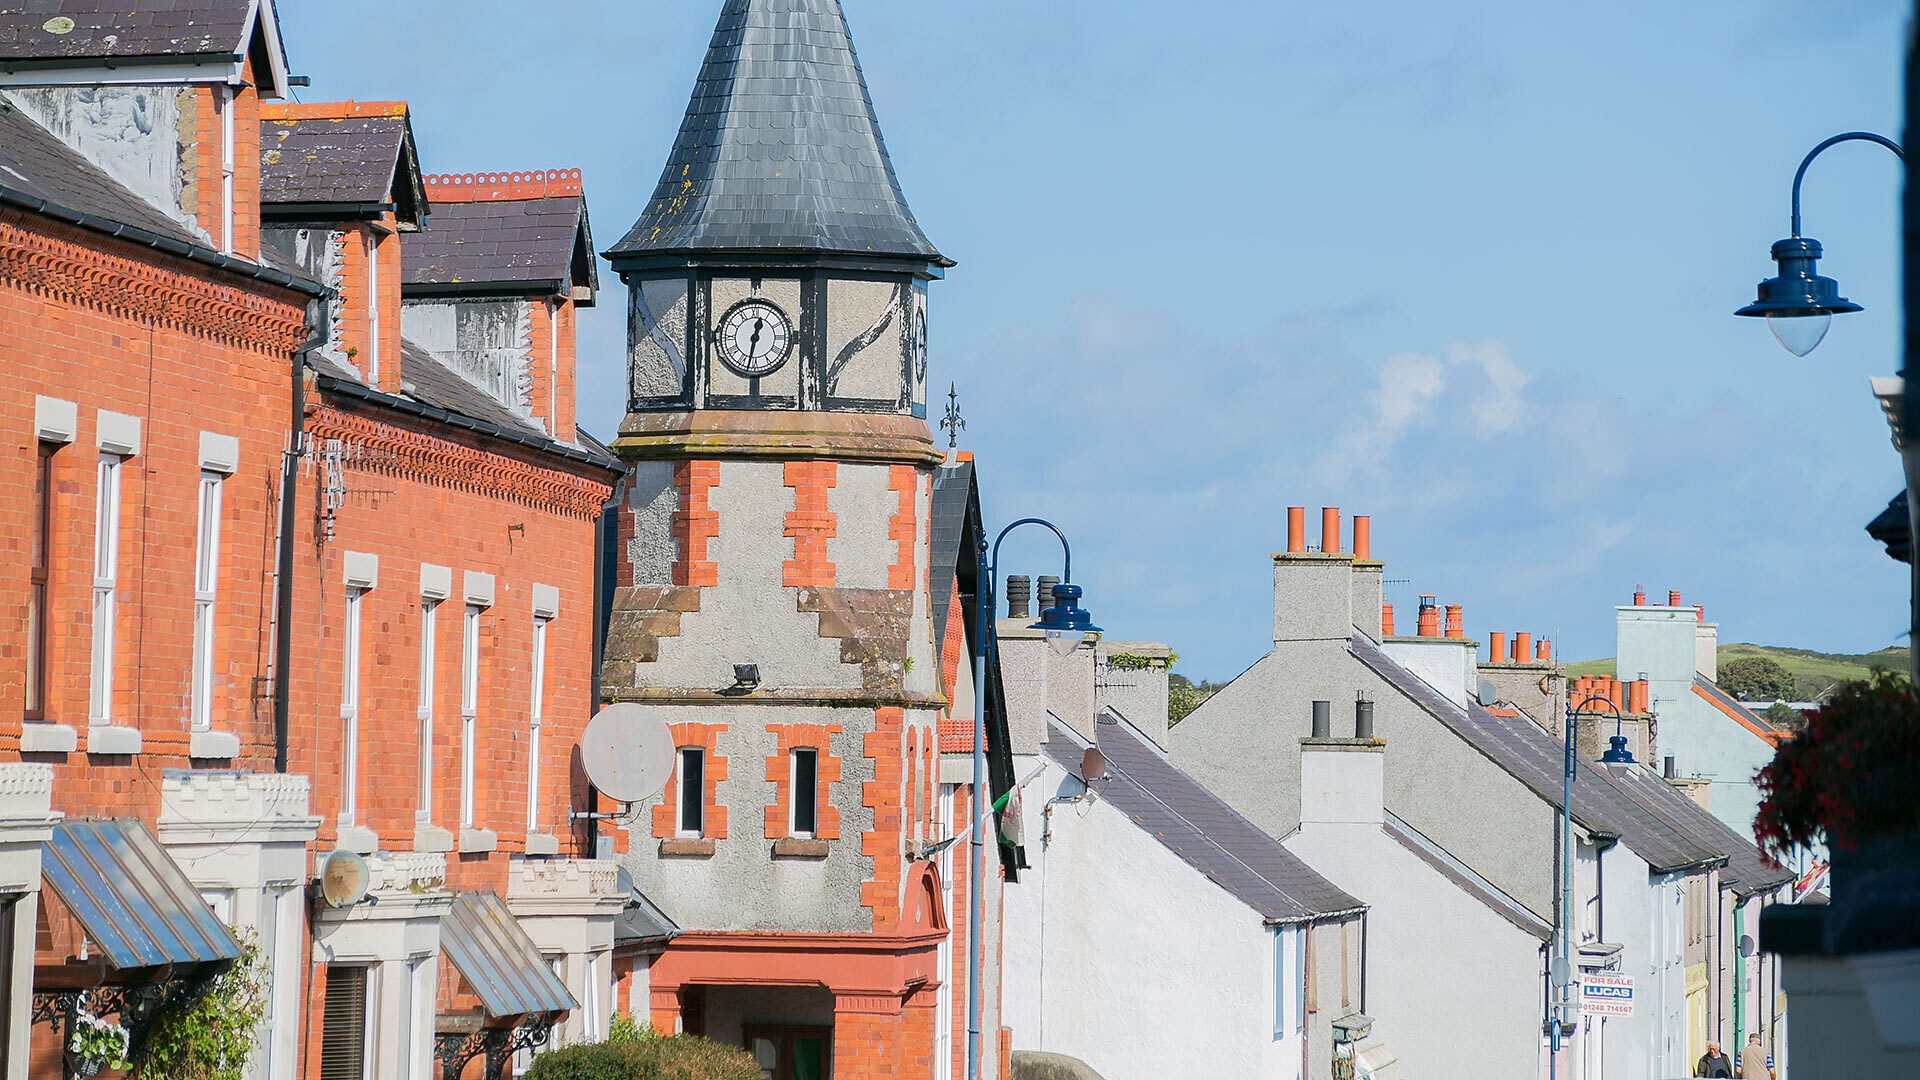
pixel 148 352
pixel 445 576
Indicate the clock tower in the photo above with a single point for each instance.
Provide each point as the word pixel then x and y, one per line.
pixel 772 556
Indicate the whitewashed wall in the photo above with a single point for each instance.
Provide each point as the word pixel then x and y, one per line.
pixel 1121 955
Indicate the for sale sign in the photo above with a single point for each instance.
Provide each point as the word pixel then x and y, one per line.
pixel 1606 995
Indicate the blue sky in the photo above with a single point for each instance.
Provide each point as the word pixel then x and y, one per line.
pixel 1467 268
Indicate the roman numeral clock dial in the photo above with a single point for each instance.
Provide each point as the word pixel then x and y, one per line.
pixel 754 338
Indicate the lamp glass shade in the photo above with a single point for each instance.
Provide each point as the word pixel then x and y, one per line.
pixel 1799 334
pixel 1063 642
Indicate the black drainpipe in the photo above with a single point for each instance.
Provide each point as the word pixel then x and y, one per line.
pixel 318 319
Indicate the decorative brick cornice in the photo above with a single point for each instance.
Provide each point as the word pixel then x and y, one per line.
pixel 228 798
pixel 391 450
pixel 406 872
pixel 68 265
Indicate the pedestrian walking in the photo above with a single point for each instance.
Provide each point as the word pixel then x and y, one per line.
pixel 1713 1063
pixel 1753 1060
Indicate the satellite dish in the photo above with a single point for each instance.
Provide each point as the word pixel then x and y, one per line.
pixel 343 878
pixel 1562 971
pixel 627 751
pixel 1093 765
pixel 1487 695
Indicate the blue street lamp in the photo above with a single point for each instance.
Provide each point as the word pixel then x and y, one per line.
pixel 1066 624
pixel 1797 302
pixel 1562 967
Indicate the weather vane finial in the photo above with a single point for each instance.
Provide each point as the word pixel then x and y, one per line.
pixel 952 423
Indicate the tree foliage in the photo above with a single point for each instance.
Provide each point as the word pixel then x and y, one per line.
pixel 1756 678
pixel 209 1037
pixel 632 1053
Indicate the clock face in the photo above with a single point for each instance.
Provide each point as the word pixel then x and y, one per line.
pixel 754 338
pixel 919 337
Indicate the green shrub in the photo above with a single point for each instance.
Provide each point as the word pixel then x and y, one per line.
pixel 638 1057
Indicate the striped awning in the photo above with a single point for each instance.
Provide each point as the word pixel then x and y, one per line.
pixel 130 897
pixel 498 960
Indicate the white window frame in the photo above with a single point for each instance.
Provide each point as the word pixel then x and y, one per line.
pixel 793 793
pixel 680 826
pixel 423 712
pixel 469 706
pixel 106 563
pixel 350 704
pixel 206 585
pixel 373 306
pixel 538 680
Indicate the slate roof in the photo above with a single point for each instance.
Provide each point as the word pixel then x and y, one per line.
pixel 1206 834
pixel 1731 708
pixel 349 159
pixel 120 29
pixel 1746 872
pixel 35 163
pixel 1534 757
pixel 491 246
pixel 954 496
pixel 780 149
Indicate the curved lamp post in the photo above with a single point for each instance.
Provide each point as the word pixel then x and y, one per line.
pixel 1797 302
pixel 1562 969
pixel 1066 624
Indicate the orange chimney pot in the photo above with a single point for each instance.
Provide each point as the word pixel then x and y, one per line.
pixel 1386 620
pixel 1429 625
pixel 1296 529
pixel 1673 598
pixel 1330 530
pixel 1362 538
pixel 1497 647
pixel 1522 646
pixel 1639 596
pixel 1543 650
pixel 1455 624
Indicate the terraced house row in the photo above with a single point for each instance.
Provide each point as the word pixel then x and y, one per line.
pixel 307 563
pixel 321 582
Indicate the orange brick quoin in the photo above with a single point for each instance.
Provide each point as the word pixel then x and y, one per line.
pixel 705 736
pixel 810 523
pixel 902 530
pixel 780 774
pixel 883 844
pixel 695 523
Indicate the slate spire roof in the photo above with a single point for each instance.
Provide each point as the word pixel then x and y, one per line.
pixel 780 150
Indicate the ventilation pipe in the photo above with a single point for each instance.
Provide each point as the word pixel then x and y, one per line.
pixel 1323 719
pixel 1019 595
pixel 1363 719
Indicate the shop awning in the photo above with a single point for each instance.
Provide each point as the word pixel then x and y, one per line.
pixel 498 959
pixel 130 897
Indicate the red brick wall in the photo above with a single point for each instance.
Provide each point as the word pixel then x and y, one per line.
pixel 414 495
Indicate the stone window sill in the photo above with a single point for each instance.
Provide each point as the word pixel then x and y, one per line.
pixel 688 846
pixel 359 839
pixel 789 847
pixel 431 838
pixel 473 841
pixel 539 843
pixel 213 745
pixel 112 739
pixel 37 737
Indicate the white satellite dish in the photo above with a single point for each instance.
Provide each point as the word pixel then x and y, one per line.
pixel 343 878
pixel 1487 695
pixel 627 751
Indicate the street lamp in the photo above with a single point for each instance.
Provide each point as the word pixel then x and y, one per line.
pixel 1065 624
pixel 1562 968
pixel 1797 302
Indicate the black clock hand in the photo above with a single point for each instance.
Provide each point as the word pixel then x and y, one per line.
pixel 753 343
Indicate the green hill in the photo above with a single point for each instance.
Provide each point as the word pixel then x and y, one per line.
pixel 1813 672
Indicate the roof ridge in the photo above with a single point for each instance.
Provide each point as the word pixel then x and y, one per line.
pixel 331 110
pixel 502 187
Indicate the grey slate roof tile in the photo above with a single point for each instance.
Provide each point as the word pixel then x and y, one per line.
pixel 504 242
pixel 1534 757
pixel 35 163
pixel 780 148
pixel 122 28
pixel 1204 832
pixel 351 159
pixel 953 496
pixel 1747 870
